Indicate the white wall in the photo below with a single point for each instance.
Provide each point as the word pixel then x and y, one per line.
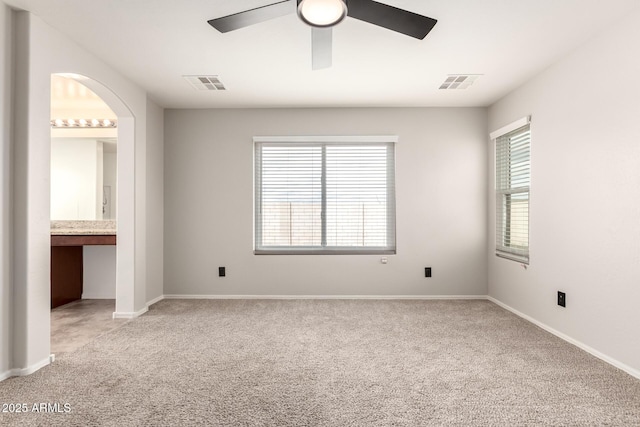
pixel 585 197
pixel 110 179
pixel 99 272
pixel 5 190
pixel 97 204
pixel 155 201
pixel 39 52
pixel 441 204
pixel 30 207
pixel 74 179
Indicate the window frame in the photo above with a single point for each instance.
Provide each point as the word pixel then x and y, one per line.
pixel 388 140
pixel 520 253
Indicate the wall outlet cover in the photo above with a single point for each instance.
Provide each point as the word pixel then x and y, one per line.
pixel 562 299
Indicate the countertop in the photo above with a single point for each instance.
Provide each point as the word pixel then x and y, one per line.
pixel 83 228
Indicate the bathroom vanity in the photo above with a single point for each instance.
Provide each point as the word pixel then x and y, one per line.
pixel 67 241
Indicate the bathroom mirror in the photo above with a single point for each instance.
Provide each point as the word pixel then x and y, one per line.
pixel 83 178
pixel 83 153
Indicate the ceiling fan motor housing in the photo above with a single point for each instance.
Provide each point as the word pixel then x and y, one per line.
pixel 322 13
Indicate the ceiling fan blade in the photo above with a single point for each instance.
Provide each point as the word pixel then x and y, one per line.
pixel 392 18
pixel 321 47
pixel 253 16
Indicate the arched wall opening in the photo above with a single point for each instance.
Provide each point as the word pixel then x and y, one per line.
pixel 125 217
pixel 38 51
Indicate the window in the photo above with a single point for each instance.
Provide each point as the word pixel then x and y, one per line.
pixel 513 178
pixel 324 195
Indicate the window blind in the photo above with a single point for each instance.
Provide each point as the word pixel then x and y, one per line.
pixel 513 179
pixel 324 197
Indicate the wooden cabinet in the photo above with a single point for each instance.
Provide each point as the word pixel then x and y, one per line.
pixel 66 274
pixel 67 265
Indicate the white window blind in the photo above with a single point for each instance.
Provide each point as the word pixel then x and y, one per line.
pixel 320 196
pixel 513 179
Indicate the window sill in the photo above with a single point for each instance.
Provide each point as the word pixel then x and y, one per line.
pixel 512 257
pixel 324 252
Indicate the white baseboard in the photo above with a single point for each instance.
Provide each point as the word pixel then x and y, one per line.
pixel 97 296
pixel 610 360
pixel 23 372
pixel 130 315
pixel 155 300
pixel 133 315
pixel 362 297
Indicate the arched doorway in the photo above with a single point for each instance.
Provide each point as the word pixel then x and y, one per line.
pixel 125 197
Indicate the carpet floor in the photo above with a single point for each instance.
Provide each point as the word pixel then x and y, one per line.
pixel 325 363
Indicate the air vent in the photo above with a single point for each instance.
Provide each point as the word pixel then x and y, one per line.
pixel 205 82
pixel 459 81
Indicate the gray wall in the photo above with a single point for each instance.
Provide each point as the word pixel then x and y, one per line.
pixel 40 51
pixel 99 272
pixel 5 190
pixel 441 184
pixel 155 201
pixel 585 197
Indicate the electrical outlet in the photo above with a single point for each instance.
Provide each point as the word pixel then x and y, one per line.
pixel 427 272
pixel 222 272
pixel 562 299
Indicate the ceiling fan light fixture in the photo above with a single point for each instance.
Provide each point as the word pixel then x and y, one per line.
pixel 322 13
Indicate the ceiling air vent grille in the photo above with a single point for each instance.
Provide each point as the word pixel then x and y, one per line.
pixel 205 82
pixel 459 81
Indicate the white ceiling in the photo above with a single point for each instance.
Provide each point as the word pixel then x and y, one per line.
pixel 72 100
pixel 156 42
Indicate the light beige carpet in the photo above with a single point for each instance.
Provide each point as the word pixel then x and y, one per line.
pixel 327 363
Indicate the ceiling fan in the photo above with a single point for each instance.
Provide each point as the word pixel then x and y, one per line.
pixel 322 15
